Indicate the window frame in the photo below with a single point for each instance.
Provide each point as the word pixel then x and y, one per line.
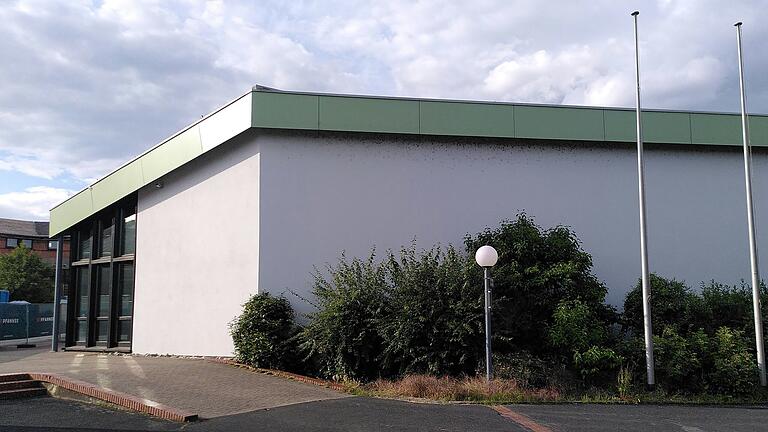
pixel 93 227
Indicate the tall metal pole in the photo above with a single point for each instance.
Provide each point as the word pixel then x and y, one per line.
pixel 488 361
pixel 643 234
pixel 57 282
pixel 753 261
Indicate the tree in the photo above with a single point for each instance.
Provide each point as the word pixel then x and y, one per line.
pixel 537 269
pixel 26 276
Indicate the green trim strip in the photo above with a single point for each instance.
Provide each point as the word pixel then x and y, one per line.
pixel 264 108
pixel 176 151
pixel 312 111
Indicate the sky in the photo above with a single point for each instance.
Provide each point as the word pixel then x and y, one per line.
pixel 88 84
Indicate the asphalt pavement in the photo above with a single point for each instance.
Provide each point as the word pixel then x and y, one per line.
pixel 656 418
pixel 367 414
pixel 350 414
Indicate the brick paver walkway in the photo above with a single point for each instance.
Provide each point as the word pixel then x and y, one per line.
pixel 200 386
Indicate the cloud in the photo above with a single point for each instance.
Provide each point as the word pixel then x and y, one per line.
pixel 89 84
pixel 32 203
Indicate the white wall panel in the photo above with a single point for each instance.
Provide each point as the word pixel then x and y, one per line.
pixel 197 252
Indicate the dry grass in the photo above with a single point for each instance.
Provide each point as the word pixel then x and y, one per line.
pixel 461 389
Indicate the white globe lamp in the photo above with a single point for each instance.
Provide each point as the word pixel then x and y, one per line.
pixel 486 256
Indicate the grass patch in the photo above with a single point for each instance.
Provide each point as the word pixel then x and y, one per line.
pixel 468 389
pixel 501 391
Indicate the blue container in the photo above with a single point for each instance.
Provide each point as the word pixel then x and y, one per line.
pixel 5 296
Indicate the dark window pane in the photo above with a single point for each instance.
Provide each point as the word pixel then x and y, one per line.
pixel 81 331
pixel 106 236
pixel 27 244
pixel 124 330
pixel 128 237
pixel 83 283
pixel 104 288
pixel 102 330
pixel 84 244
pixel 125 289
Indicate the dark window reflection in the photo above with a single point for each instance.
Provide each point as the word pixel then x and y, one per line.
pixel 84 243
pixel 106 236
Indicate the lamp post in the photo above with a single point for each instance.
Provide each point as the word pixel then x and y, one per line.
pixel 487 257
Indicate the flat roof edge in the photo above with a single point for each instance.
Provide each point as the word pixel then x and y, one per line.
pixel 267 108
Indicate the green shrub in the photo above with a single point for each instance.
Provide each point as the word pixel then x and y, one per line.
pixel 342 338
pixel 734 369
pixel 672 303
pixel 410 313
pixel 677 360
pixel 575 327
pixel 264 334
pixel 596 362
pixel 433 320
pixel 537 269
pixel 726 306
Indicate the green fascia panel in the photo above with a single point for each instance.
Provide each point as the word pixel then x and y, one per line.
pixel 354 114
pixel 559 123
pixel 666 127
pixel 171 154
pixel 758 131
pixel 467 119
pixel 620 126
pixel 116 185
pixel 70 212
pixel 284 110
pixel 717 129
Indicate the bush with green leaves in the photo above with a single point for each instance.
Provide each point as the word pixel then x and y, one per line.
pixel 537 269
pixel 408 313
pixel 264 334
pixel 342 338
pixel 734 369
pixel 575 327
pixel 672 303
pixel 433 316
pixel 597 363
pixel 680 361
pixel 702 340
pixel 421 312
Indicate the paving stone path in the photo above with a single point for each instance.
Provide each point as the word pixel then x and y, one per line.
pixel 192 384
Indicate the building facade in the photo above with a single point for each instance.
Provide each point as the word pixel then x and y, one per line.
pixel 30 234
pixel 263 192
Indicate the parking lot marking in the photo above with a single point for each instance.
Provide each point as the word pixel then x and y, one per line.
pixel 521 419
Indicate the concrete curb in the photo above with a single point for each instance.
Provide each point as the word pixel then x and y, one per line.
pixel 120 399
pixel 282 374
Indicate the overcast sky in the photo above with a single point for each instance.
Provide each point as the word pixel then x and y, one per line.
pixel 86 85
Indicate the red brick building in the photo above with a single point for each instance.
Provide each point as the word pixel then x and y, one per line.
pixel 33 235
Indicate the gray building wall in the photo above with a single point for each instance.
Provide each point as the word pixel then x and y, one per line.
pixel 324 193
pixel 263 210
